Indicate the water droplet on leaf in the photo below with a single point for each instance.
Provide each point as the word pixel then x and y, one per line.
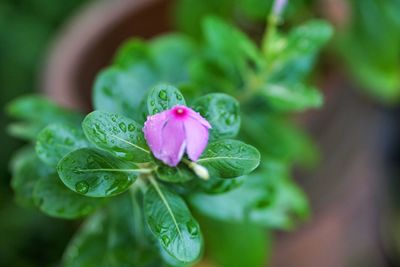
pixel 178 96
pixel 68 141
pixel 122 126
pixel 165 239
pixel 82 187
pixel 192 228
pixel 131 127
pixel 163 95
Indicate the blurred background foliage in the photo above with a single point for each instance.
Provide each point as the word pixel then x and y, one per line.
pixel 367 40
pixel 370 46
pixel 27 28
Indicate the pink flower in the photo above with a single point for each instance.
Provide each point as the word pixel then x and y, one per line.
pixel 172 132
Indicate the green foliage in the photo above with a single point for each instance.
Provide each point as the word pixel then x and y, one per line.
pixel 294 144
pixel 36 113
pixel 276 75
pixel 171 223
pixel 292 97
pixel 163 97
pixel 234 44
pixel 219 185
pixel 57 140
pixel 190 13
pixel 95 173
pixel 297 50
pixel 370 45
pixel 178 174
pixel 120 90
pixel 229 158
pixel 27 170
pixel 233 253
pixel 118 135
pixel 36 184
pixel 53 198
pixel 222 112
pixel 267 198
pixel 108 238
pixel 139 205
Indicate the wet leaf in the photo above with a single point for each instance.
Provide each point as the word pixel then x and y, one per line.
pixel 95 173
pixel 222 112
pixel 163 97
pixel 57 140
pixel 172 224
pixel 118 135
pixel 229 158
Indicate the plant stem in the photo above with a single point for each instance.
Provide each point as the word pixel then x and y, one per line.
pixel 255 81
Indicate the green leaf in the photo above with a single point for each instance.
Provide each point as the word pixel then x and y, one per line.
pixel 88 244
pixel 24 130
pixel 233 43
pixel 229 159
pixel 218 185
pixel 256 10
pixel 133 52
pixel 268 198
pixel 38 109
pixel 94 173
pixel 222 112
pixel 232 235
pixel 172 54
pixel 178 174
pixel 189 14
pixel 107 239
pixel 36 113
pixel 265 131
pixel 54 199
pixel 171 222
pixel 122 90
pixel 292 97
pixel 57 140
pixel 141 66
pixel 26 169
pixel 118 135
pixel 163 97
pixel 292 57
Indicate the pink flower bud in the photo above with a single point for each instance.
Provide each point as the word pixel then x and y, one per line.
pixel 173 132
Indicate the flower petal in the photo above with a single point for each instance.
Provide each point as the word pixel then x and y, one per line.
pixel 196 137
pixel 196 116
pixel 152 131
pixel 173 142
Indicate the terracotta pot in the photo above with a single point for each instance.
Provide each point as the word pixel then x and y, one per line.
pixel 344 189
pixel 89 40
